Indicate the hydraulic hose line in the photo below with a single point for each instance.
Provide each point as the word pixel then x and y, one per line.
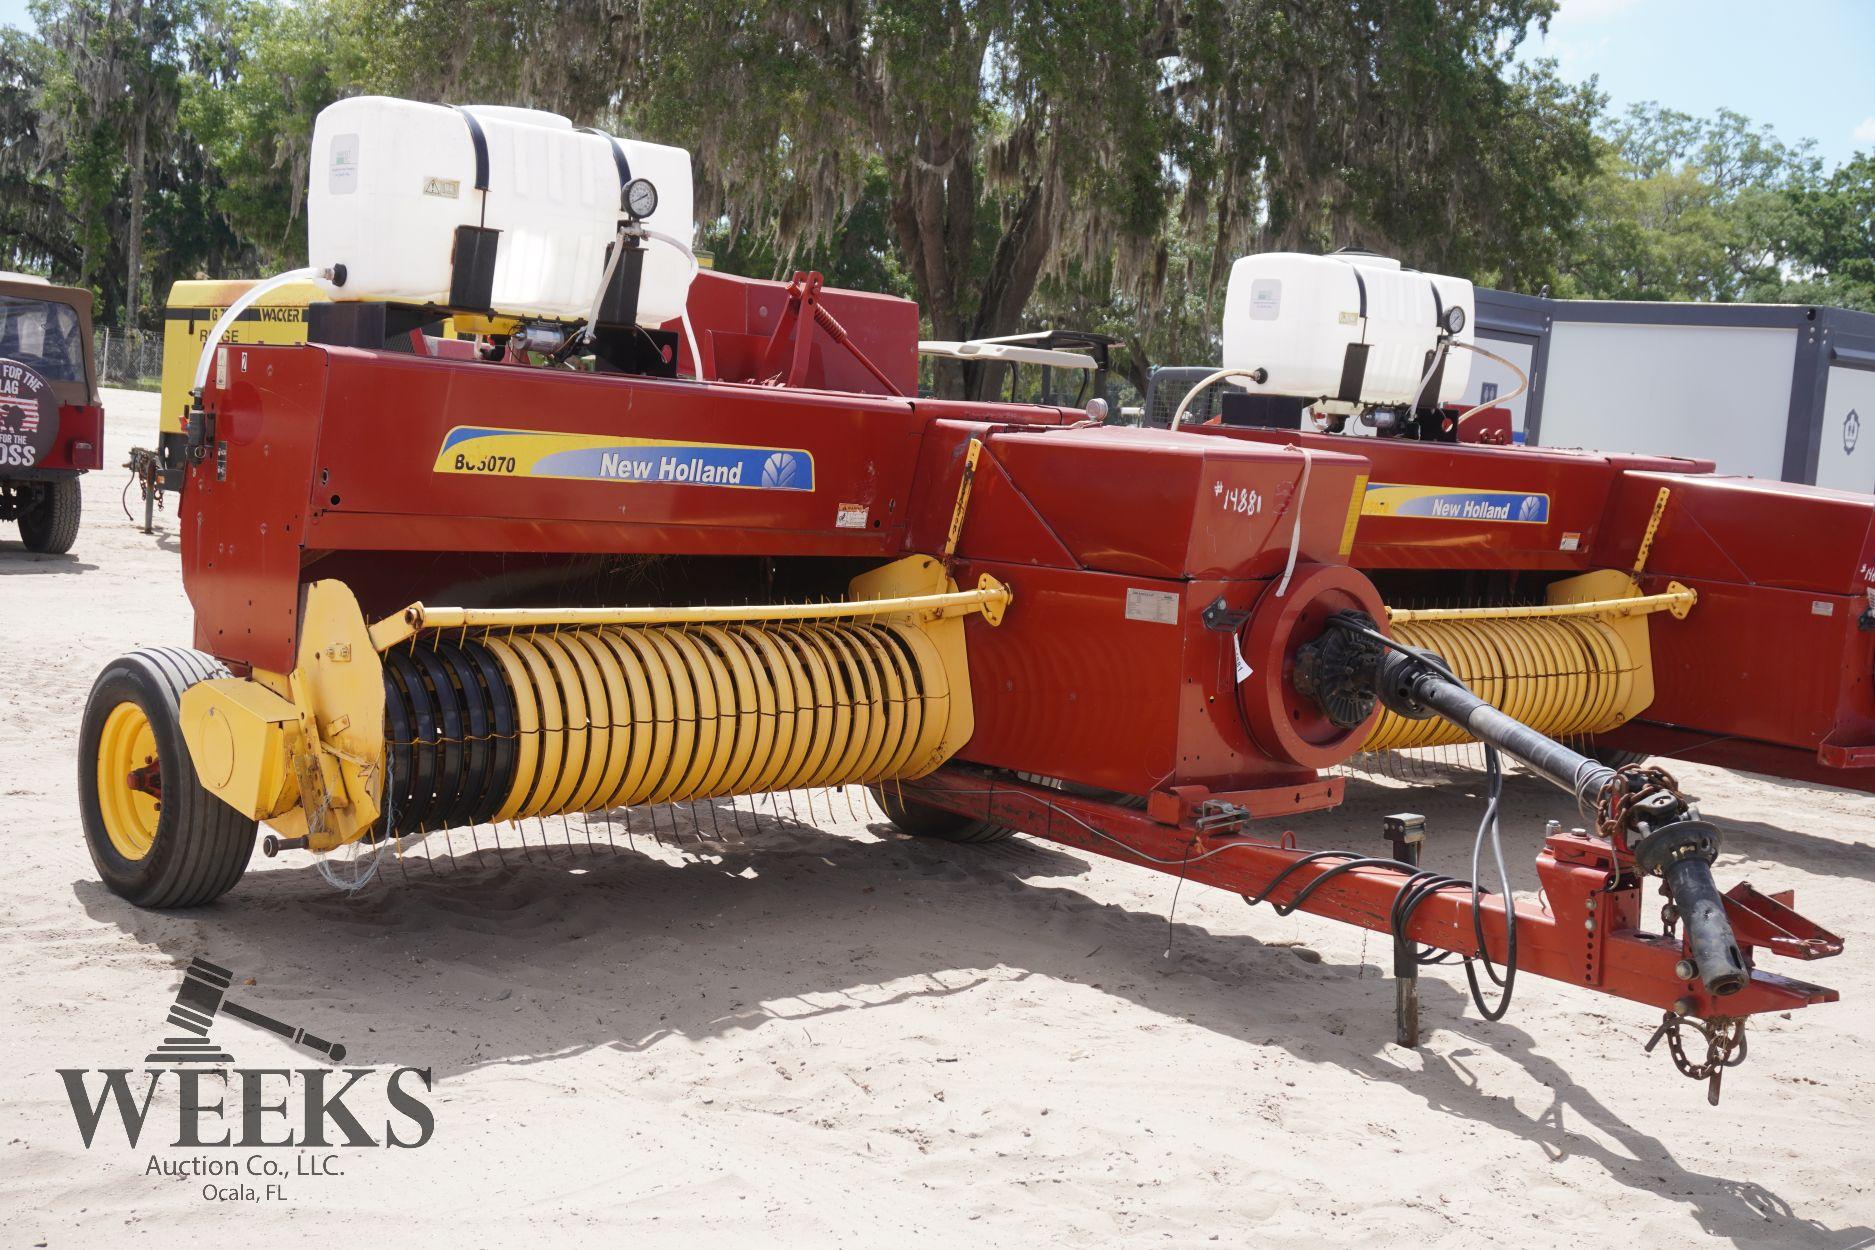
pixel 232 314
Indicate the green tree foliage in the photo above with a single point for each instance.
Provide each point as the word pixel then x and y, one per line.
pixel 112 75
pixel 1010 163
pixel 1827 238
pixel 35 229
pixel 1097 141
pixel 263 72
pixel 1686 208
pixel 1024 141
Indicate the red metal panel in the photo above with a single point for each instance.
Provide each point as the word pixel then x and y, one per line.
pixel 335 449
pixel 1575 484
pixel 1000 524
pixel 1743 530
pixel 1725 752
pixel 1072 686
pixel 389 415
pixel 241 537
pixel 1157 504
pixel 1774 652
pixel 1754 662
pixel 737 315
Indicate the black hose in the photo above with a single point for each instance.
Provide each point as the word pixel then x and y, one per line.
pixel 1412 894
pixel 1420 885
pixel 1494 772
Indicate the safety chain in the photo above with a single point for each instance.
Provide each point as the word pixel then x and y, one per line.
pixel 1725 1047
pixel 1631 784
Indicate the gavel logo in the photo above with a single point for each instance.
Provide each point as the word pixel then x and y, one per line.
pixel 203 997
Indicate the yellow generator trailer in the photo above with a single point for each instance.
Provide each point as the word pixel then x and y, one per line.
pixel 279 316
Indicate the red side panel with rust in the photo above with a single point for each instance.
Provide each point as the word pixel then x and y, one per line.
pixel 1114 543
pixel 335 450
pixel 1777 652
pixel 1575 485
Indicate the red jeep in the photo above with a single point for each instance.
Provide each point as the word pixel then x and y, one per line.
pixel 51 424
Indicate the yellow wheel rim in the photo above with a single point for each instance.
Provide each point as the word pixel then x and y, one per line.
pixel 130 815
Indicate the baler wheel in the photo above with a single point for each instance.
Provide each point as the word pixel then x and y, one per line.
pixel 924 821
pixel 157 835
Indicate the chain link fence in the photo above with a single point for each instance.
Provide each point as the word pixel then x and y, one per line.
pixel 129 357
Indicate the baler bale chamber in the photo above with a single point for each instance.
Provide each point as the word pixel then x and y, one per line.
pixel 553 576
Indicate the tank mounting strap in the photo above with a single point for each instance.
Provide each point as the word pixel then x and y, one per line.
pixel 480 142
pixel 619 160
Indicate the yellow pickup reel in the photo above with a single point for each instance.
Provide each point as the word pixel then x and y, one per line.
pixel 445 717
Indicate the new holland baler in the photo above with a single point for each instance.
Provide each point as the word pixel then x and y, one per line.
pixel 559 577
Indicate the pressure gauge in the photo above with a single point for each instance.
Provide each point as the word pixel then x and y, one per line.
pixel 1454 316
pixel 641 198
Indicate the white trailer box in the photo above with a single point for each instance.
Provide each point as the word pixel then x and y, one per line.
pixel 1765 390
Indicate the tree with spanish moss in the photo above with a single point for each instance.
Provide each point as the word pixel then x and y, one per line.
pixel 1023 140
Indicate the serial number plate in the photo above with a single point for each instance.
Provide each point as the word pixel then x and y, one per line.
pixel 1158 606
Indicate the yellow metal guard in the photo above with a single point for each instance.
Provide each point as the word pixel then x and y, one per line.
pixel 1576 666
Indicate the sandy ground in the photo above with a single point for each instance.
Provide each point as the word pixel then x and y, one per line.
pixel 803 1028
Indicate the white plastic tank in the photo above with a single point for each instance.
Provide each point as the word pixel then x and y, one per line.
pixel 391 179
pixel 1296 317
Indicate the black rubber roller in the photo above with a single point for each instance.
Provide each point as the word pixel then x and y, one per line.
pixel 450 735
pixel 402 678
pixel 399 732
pixel 504 729
pixel 451 749
pixel 488 723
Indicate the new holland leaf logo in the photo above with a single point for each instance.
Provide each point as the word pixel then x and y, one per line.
pixel 779 470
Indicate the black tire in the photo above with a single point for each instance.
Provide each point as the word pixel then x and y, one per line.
pixel 49 524
pixel 201 845
pixel 924 821
pixel 1614 757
